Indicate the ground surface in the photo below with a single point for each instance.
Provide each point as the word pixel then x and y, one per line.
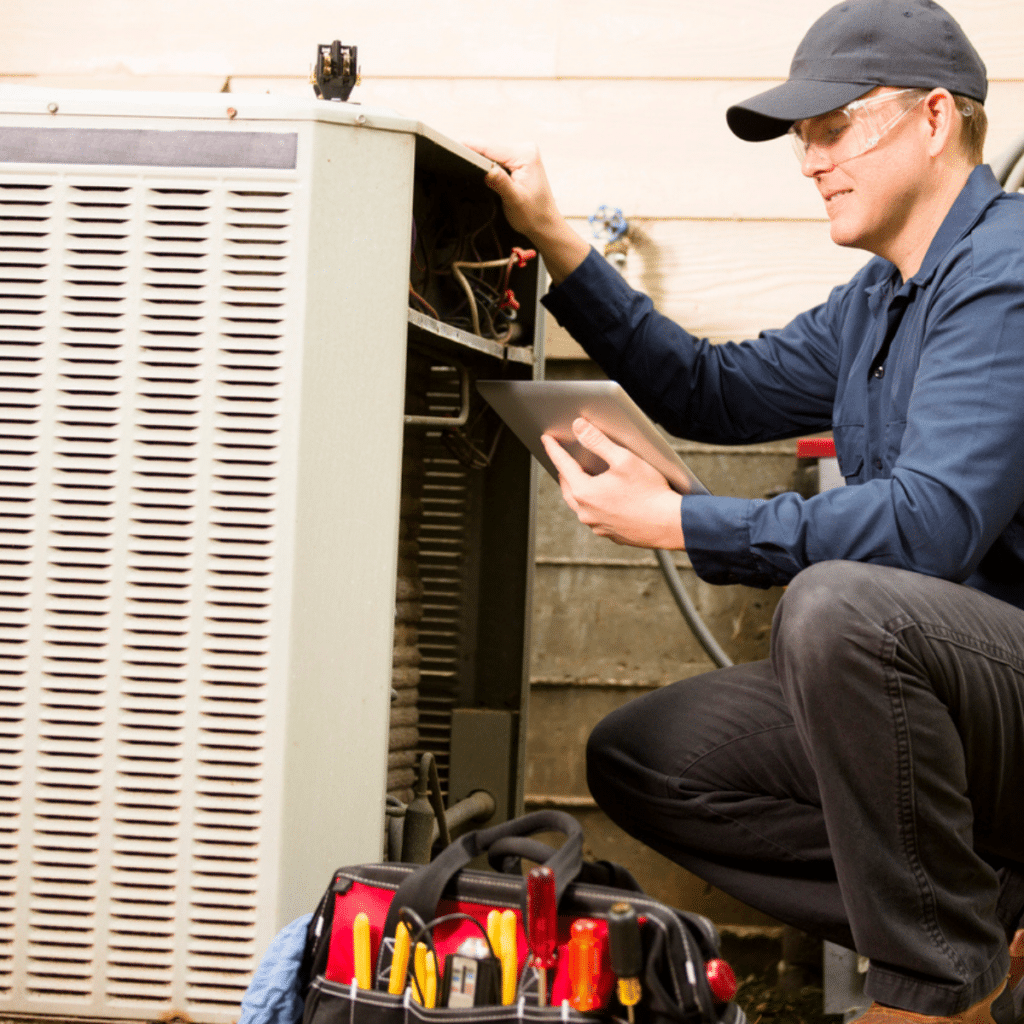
pixel 765 1003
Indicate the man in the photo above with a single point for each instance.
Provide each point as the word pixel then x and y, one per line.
pixel 866 783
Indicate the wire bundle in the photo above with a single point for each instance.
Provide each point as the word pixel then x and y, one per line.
pixel 461 270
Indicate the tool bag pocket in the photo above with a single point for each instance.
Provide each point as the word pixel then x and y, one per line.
pixel 676 945
pixel 328 1002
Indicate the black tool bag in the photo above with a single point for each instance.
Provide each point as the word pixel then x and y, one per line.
pixel 676 945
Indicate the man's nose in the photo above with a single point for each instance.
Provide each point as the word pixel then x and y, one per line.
pixel 815 162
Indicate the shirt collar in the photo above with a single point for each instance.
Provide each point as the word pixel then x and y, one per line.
pixel 975 197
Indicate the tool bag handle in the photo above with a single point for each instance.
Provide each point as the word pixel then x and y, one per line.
pixel 505 856
pixel 422 890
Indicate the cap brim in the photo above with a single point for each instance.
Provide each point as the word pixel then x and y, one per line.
pixel 769 114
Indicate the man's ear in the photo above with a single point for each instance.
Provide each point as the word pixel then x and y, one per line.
pixel 940 112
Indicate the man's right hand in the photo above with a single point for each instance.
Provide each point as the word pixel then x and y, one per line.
pixel 522 184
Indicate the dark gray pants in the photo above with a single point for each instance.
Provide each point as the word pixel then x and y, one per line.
pixel 866 784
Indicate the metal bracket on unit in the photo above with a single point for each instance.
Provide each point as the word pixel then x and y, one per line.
pixel 337 72
pixel 448 421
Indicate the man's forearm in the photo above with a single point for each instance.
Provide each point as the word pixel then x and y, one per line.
pixel 561 249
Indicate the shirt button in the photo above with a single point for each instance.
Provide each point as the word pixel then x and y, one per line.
pixel 878 463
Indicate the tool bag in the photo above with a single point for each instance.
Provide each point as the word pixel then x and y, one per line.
pixel 676 945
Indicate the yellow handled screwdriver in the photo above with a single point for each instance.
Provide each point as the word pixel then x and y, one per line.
pixel 430 992
pixel 419 966
pixel 509 954
pixel 399 960
pixel 361 949
pixel 494 931
pixel 626 954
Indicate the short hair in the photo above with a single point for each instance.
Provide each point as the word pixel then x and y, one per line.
pixel 973 124
pixel 973 127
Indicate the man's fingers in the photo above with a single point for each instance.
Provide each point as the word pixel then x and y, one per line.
pixel 496 152
pixel 594 440
pixel 568 468
pixel 498 179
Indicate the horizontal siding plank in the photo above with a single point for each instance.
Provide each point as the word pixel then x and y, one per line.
pixel 724 279
pixel 267 37
pixel 727 280
pixel 460 38
pixel 743 39
pixel 653 149
pixel 122 82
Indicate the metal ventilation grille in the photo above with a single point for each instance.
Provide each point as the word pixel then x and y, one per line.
pixel 239 597
pixel 26 213
pixel 447 628
pixel 144 428
pixel 77 548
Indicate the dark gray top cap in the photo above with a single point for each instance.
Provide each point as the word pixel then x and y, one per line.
pixel 855 46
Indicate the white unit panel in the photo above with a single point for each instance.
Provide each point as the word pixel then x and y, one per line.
pixel 177 638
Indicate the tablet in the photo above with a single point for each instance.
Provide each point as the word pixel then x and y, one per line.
pixel 535 407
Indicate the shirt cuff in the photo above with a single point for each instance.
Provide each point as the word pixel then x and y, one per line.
pixel 597 307
pixel 717 535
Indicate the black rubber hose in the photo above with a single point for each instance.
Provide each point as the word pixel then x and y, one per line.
pixel 685 605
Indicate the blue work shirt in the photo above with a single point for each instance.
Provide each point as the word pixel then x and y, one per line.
pixel 921 382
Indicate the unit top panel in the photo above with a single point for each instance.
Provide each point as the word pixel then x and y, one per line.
pixel 432 146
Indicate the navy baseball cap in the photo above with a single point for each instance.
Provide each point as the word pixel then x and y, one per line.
pixel 856 46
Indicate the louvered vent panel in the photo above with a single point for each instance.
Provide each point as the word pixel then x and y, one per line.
pixel 26 256
pixel 236 642
pixel 78 550
pixel 142 330
pixel 447 625
pixel 166 527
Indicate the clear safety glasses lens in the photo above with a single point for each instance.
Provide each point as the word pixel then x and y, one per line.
pixel 852 130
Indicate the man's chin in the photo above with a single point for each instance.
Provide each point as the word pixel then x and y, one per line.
pixel 844 235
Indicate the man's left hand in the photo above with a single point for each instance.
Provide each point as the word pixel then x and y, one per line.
pixel 630 502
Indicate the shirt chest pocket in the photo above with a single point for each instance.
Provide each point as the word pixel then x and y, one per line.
pixel 849 441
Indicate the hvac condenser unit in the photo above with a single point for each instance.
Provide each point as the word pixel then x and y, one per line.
pixel 238 423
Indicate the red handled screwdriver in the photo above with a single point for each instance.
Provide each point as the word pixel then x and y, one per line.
pixel 542 925
pixel 626 954
pixel 584 955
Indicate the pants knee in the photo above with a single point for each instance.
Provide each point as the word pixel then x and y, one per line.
pixel 829 631
pixel 603 754
pixel 823 602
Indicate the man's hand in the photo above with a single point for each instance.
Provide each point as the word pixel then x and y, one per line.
pixel 630 503
pixel 521 182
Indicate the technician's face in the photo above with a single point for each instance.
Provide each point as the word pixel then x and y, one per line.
pixel 869 197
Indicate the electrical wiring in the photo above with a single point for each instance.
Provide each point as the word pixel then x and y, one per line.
pixel 461 264
pixel 423 302
pixel 507 297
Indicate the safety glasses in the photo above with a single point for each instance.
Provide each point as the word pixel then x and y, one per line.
pixel 852 130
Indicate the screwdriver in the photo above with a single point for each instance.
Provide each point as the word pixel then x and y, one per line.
pixel 494 931
pixel 399 960
pixel 419 968
pixel 430 993
pixel 584 955
pixel 361 949
pixel 509 955
pixel 626 954
pixel 542 925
